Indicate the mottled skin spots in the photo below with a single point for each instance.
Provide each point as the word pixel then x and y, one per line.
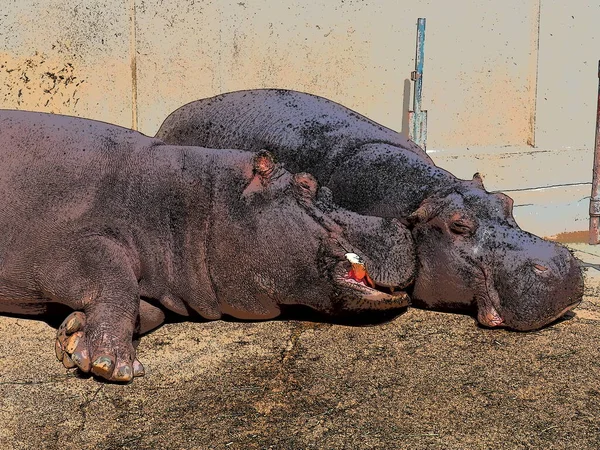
pixel 121 228
pixel 471 252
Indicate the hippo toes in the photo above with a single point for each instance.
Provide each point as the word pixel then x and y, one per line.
pixel 74 349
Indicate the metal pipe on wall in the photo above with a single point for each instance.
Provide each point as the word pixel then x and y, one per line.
pixel 595 197
pixel 417 118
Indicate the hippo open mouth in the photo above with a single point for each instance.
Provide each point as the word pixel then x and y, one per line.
pixel 352 273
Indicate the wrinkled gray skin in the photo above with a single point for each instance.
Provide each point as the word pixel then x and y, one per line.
pixel 471 252
pixel 121 228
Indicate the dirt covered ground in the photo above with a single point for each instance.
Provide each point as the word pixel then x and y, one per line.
pixel 424 380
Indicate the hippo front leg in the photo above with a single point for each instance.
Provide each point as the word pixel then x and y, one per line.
pixel 72 350
pixel 100 284
pixel 70 333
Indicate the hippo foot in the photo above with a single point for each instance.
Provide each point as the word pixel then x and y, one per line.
pixel 74 348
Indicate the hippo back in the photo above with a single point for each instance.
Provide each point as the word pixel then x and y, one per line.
pixel 307 132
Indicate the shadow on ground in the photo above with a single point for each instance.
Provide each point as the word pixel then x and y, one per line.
pixel 424 380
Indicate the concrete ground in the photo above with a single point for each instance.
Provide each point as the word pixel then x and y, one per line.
pixel 423 380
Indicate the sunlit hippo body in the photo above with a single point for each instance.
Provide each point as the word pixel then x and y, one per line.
pixel 121 228
pixel 471 252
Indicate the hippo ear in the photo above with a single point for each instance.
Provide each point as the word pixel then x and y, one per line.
pixel 428 209
pixel 477 181
pixel 507 204
pixel 264 166
pixel 305 186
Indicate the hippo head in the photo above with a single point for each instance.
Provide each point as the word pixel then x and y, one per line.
pixel 472 253
pixel 290 244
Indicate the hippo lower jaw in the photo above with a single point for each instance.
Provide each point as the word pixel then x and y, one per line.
pixel 566 310
pixel 549 320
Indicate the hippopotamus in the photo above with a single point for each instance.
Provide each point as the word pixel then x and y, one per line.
pixel 121 228
pixel 471 253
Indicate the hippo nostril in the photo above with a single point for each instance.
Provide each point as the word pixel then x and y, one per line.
pixel 540 268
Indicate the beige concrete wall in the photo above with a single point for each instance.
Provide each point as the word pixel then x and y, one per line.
pixel 66 57
pixel 479 65
pixel 568 73
pixel 480 70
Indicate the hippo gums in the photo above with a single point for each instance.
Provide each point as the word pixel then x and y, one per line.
pixel 122 228
pixel 471 253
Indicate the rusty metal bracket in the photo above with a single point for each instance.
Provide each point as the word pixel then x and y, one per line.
pixel 595 197
pixel 417 119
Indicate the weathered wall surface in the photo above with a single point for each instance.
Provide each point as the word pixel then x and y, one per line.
pixel 479 70
pixel 65 57
pixel 520 74
pixel 478 64
pixel 568 74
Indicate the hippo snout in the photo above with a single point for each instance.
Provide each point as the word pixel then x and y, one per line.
pixel 560 262
pixel 541 290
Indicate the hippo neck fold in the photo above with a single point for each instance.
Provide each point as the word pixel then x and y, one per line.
pixel 202 182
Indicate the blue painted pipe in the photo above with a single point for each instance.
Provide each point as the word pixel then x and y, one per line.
pixel 418 117
pixel 419 65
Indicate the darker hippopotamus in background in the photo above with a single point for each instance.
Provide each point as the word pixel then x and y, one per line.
pixel 121 228
pixel 471 252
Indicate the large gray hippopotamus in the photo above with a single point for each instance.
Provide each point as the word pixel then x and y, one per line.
pixel 121 228
pixel 471 252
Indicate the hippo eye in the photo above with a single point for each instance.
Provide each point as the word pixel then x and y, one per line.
pixel 539 268
pixel 460 227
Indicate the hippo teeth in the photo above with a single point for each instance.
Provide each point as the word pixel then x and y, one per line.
pixel 354 259
pixel 358 271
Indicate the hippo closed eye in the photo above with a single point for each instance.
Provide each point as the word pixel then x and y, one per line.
pixel 471 253
pixel 122 228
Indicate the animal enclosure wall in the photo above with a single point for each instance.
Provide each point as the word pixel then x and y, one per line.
pixel 509 86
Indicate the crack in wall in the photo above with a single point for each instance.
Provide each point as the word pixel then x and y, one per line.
pixel 533 75
pixel 540 188
pixel 133 57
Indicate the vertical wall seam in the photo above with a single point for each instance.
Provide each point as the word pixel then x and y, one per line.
pixel 133 57
pixel 534 62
